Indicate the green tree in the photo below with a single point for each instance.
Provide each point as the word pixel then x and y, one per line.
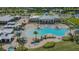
pixel 21 46
pixel 76 38
pixel 1 46
pixel 35 32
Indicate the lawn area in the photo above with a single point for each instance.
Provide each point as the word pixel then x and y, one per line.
pixel 61 46
pixel 74 20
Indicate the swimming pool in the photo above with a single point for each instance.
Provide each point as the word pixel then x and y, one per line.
pixel 46 30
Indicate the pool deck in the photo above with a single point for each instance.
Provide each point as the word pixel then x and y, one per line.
pixel 29 40
pixel 40 44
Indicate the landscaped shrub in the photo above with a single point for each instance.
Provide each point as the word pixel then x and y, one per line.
pixel 48 36
pixel 21 48
pixel 67 38
pixel 76 38
pixel 36 40
pixel 1 49
pixel 0 41
pixel 49 45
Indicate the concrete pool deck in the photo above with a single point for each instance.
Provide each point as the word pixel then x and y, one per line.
pixel 29 40
pixel 40 44
pixel 30 26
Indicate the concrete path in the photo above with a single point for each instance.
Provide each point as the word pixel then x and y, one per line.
pixel 14 44
pixel 40 44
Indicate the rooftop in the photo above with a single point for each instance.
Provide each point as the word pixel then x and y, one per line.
pixel 7 30
pixel 77 31
pixel 46 17
pixel 11 23
pixel 6 18
pixel 9 36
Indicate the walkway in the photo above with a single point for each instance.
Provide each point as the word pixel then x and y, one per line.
pixel 40 44
pixel 14 44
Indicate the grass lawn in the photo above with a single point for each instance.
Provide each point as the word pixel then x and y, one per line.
pixel 61 46
pixel 74 20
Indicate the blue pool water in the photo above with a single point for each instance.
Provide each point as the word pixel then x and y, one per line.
pixel 47 30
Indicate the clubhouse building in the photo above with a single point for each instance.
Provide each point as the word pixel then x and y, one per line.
pixel 45 19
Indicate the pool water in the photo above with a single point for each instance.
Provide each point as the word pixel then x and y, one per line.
pixel 47 30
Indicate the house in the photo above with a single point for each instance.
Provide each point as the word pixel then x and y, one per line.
pixel 6 38
pixel 45 19
pixel 5 19
pixel 11 23
pixel 7 35
pixel 8 18
pixel 7 31
pixel 9 26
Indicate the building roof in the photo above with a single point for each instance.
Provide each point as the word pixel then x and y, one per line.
pixel 34 16
pixel 7 30
pixel 11 23
pixel 6 18
pixel 48 17
pixel 77 31
pixel 9 26
pixel 45 17
pixel 9 36
pixel 1 31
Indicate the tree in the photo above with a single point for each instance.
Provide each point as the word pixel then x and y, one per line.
pixel 21 42
pixel 21 48
pixel 76 38
pixel 1 46
pixel 35 32
pixel 71 37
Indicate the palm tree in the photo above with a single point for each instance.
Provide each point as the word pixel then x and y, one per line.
pixel 35 32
